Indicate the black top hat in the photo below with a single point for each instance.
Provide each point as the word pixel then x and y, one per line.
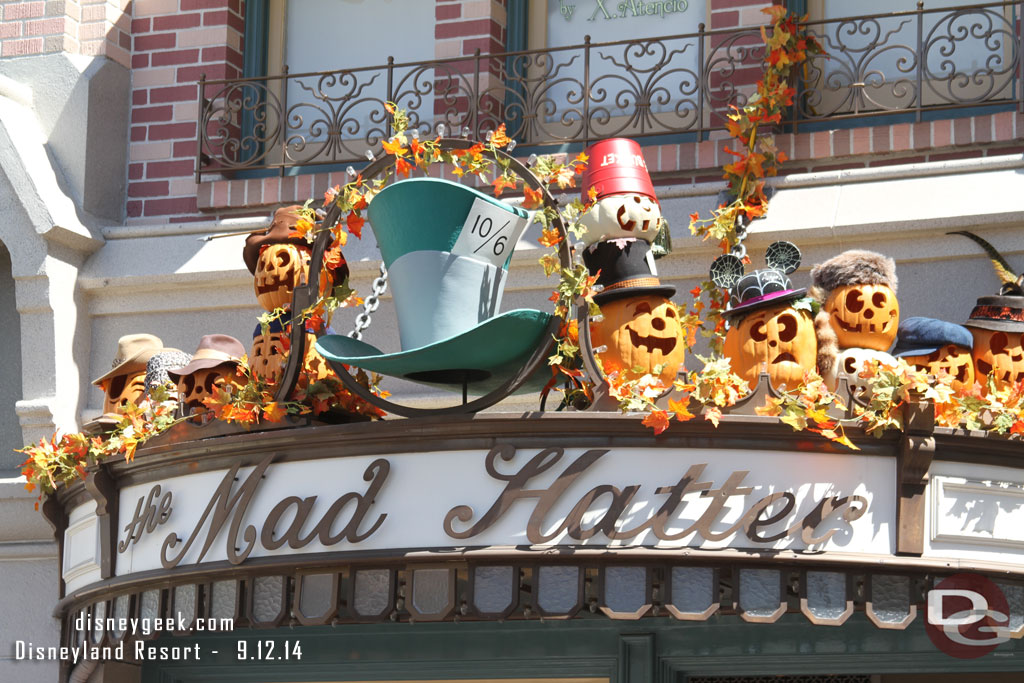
pixel 1004 313
pixel 625 269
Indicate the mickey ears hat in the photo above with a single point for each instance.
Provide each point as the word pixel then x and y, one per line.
pixel 626 270
pixel 133 352
pixel 616 166
pixel 921 336
pixel 214 350
pixel 279 232
pixel 761 288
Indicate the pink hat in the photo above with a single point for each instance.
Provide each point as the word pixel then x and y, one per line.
pixel 616 166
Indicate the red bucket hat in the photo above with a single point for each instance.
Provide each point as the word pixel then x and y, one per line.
pixel 616 166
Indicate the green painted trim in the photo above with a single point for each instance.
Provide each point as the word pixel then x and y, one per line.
pixel 797 7
pixel 653 649
pixel 254 47
pixel 516 39
pixel 254 61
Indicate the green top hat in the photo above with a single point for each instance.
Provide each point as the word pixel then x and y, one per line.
pixel 446 247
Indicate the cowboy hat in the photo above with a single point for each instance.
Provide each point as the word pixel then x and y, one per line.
pixel 214 350
pixel 446 292
pixel 133 352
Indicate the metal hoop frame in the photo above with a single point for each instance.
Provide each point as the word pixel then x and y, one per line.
pixel 304 296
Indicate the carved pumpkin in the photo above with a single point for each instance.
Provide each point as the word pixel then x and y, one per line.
pixel 864 316
pixel 952 359
pixel 279 270
pixel 315 365
pixel 193 388
pixel 622 215
pixel 850 364
pixel 120 390
pixel 998 353
pixel 268 355
pixel 640 333
pixel 781 338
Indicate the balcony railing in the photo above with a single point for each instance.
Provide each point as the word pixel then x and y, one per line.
pixel 902 63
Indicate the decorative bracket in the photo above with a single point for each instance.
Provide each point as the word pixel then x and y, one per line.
pixel 101 486
pixel 917 449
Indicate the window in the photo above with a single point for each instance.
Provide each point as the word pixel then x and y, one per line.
pixel 875 65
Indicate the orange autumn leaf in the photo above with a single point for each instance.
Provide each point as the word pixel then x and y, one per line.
pixel 402 167
pixel 274 411
pixel 572 331
pixel 501 182
pixel 395 148
pixel 355 224
pixel 499 138
pixel 657 420
pixel 532 199
pixel 302 228
pixel 333 258
pixel 680 409
pixel 549 237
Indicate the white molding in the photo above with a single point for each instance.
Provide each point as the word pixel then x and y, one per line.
pixel 83 522
pixel 983 490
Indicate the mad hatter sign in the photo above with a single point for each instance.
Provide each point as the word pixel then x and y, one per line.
pixel 504 497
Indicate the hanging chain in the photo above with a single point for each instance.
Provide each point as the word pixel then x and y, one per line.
pixel 739 250
pixel 380 286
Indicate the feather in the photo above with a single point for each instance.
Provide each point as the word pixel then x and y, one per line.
pixel 1012 283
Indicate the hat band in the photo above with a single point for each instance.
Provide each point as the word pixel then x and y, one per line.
pixel 634 282
pixel 997 313
pixel 213 354
pixel 765 297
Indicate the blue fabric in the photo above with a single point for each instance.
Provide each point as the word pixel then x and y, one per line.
pixel 921 336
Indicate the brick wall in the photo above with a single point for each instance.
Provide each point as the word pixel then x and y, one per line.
pixel 464 26
pixel 85 27
pixel 173 43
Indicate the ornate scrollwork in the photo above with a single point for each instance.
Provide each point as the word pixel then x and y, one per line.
pixel 898 62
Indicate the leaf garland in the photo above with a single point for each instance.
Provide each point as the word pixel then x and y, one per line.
pixel 787 45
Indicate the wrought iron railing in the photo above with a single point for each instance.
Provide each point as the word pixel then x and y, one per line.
pixel 902 63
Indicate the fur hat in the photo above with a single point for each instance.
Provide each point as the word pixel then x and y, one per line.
pixel 854 267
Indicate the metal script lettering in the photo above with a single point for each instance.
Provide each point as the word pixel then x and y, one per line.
pixel 765 512
pixel 224 504
pixel 147 517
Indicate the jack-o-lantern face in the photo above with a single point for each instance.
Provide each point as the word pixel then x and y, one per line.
pixel 851 363
pixel 998 353
pixel 280 269
pixel 641 334
pixel 193 388
pixel 864 316
pixel 315 365
pixel 622 215
pixel 121 390
pixel 268 355
pixel 780 338
pixel 956 361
